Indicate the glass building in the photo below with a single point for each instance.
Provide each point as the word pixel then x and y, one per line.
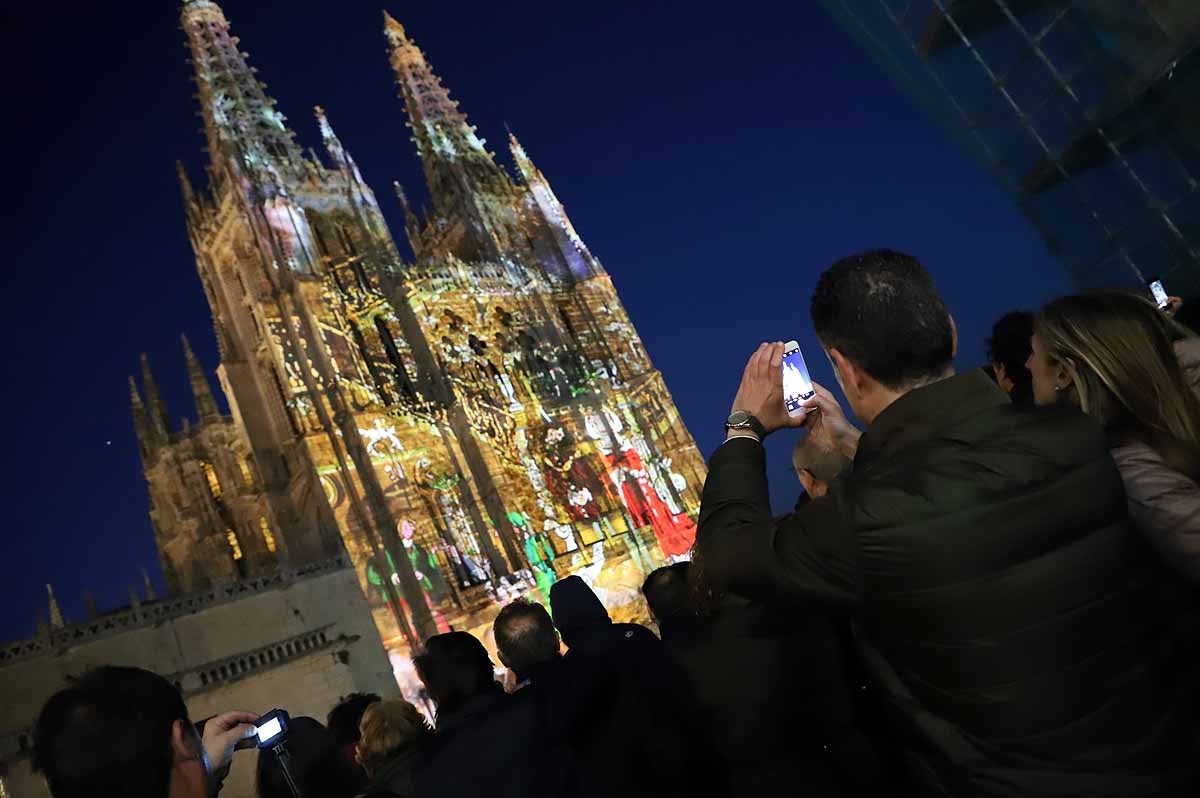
pixel 1087 111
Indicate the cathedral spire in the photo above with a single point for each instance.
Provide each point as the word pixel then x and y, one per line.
pixel 141 422
pixel 206 406
pixel 455 160
pixel 412 225
pixel 341 158
pixel 148 586
pixel 575 257
pixel 56 616
pixel 156 411
pixel 524 165
pixel 240 120
pixel 191 203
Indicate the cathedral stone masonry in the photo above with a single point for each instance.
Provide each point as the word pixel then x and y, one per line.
pixel 466 426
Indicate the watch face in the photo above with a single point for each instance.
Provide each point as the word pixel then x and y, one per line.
pixel 738 417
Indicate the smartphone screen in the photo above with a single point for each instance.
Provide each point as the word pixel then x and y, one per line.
pixel 1159 293
pixel 797 385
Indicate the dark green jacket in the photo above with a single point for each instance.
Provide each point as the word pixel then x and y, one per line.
pixel 1000 593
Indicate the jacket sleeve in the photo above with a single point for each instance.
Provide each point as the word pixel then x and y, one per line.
pixel 806 556
pixel 1165 506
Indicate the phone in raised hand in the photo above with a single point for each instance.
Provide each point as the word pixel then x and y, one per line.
pixel 1159 293
pixel 797 385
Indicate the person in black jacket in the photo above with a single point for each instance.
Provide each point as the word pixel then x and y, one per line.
pixel 573 700
pixel 1001 596
pixel 485 740
pixel 648 747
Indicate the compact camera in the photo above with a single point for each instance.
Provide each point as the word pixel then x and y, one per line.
pixel 272 728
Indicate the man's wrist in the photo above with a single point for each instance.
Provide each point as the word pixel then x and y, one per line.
pixel 745 421
pixel 730 434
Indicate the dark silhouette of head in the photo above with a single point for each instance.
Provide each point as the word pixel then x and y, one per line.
pixel 119 732
pixel 883 325
pixel 576 608
pixel 666 592
pixel 1008 350
pixel 344 719
pixel 525 636
pixel 455 667
pixel 316 765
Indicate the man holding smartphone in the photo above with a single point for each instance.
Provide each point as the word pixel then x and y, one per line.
pixel 1000 597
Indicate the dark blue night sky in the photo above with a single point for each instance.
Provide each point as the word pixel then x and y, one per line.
pixel 716 158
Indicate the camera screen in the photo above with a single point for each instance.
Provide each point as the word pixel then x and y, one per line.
pixel 797 385
pixel 269 729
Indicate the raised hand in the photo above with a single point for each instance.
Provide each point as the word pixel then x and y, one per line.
pixel 223 732
pixel 827 424
pixel 761 391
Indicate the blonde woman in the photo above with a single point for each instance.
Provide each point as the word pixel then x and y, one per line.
pixel 393 736
pixel 1111 355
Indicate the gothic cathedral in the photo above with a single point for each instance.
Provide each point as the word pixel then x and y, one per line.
pixel 468 427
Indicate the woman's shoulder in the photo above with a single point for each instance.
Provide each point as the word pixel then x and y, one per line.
pixel 1148 478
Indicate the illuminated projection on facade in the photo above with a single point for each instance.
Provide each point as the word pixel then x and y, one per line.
pixel 469 426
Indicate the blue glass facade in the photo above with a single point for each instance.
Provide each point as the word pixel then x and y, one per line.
pixel 1087 111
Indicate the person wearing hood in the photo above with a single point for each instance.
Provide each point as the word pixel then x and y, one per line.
pixel 586 627
pixel 649 746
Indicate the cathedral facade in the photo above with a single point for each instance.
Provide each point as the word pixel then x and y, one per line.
pixel 467 426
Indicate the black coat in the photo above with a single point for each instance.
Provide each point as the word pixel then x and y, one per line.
pixel 643 743
pixel 395 778
pixel 491 745
pixel 1001 593
pixel 770 688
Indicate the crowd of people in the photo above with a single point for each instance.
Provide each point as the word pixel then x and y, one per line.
pixel 989 589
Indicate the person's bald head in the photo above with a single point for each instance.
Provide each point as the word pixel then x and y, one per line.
pixel 817 467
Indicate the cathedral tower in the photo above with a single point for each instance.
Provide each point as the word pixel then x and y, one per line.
pixel 468 426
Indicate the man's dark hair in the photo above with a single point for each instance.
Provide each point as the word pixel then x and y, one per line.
pixel 110 735
pixel 881 310
pixel 455 667
pixel 1010 344
pixel 525 636
pixel 666 590
pixel 343 720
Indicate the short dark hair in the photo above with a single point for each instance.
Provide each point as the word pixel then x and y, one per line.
pixel 1010 341
pixel 110 734
pixel 666 590
pixel 455 667
pixel 343 720
pixel 525 635
pixel 881 310
pixel 1010 345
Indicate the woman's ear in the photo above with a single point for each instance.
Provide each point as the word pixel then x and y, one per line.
pixel 1065 375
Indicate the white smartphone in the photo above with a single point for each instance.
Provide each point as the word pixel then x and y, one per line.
pixel 797 385
pixel 1159 293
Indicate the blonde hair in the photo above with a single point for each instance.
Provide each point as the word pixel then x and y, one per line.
pixel 388 728
pixel 1125 373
